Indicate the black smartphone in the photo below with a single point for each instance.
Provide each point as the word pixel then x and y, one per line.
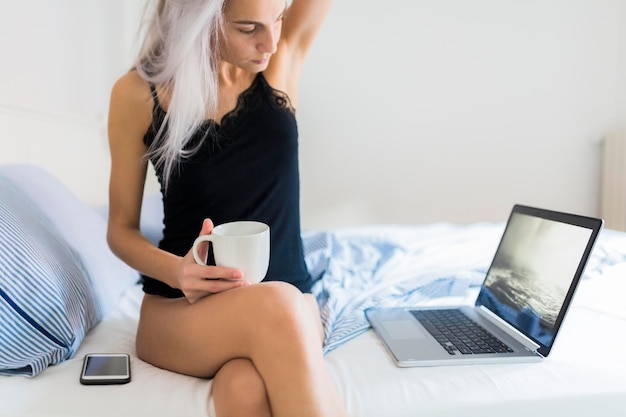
pixel 105 369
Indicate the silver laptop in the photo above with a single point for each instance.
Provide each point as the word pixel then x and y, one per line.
pixel 521 304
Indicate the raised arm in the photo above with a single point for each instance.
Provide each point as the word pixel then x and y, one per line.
pixel 302 22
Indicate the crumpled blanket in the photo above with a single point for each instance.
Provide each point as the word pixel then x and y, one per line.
pixel 387 265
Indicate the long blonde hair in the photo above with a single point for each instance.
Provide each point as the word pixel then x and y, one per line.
pixel 180 52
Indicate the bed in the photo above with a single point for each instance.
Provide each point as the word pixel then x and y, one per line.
pixel 356 268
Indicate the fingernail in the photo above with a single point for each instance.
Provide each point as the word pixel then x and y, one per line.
pixel 238 274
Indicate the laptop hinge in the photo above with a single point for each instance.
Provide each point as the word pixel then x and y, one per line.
pixel 489 315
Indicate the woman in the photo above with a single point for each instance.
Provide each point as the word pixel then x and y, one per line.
pixel 211 104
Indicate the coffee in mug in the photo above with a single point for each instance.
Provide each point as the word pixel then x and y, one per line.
pixel 244 245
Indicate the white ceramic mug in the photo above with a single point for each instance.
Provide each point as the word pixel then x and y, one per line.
pixel 244 245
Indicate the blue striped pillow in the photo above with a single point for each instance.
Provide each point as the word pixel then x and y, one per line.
pixel 47 304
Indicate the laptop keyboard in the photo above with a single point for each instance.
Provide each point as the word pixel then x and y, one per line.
pixel 457 333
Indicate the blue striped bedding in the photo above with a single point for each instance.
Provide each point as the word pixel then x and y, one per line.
pixel 47 302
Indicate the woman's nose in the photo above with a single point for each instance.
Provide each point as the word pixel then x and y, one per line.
pixel 269 43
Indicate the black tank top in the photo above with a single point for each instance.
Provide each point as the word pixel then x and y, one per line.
pixel 246 168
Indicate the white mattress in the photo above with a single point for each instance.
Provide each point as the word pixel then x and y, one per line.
pixel 584 375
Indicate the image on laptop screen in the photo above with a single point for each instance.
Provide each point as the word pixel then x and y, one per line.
pixel 532 272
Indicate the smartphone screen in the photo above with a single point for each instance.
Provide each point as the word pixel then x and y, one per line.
pixel 105 368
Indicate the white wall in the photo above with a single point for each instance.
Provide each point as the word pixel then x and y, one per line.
pixel 410 111
pixel 59 61
pixel 454 110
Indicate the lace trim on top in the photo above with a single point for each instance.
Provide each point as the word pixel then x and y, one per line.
pixel 212 129
pixel 249 97
pixel 246 97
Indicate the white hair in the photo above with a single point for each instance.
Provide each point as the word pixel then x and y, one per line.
pixel 180 52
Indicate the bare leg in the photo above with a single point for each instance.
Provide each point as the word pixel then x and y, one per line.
pixel 316 315
pixel 239 391
pixel 269 324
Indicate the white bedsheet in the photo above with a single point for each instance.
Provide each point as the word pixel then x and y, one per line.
pixel 584 375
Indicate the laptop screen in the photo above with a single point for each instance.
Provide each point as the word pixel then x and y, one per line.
pixel 535 271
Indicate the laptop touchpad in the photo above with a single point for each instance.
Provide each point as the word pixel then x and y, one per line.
pixel 403 329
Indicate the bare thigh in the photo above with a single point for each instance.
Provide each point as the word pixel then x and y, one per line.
pixel 197 339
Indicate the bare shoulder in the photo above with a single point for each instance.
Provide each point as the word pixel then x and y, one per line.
pixel 132 90
pixel 131 103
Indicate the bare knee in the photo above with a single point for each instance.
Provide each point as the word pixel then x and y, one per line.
pixel 239 390
pixel 282 305
pixel 278 298
pixel 315 312
pixel 283 318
